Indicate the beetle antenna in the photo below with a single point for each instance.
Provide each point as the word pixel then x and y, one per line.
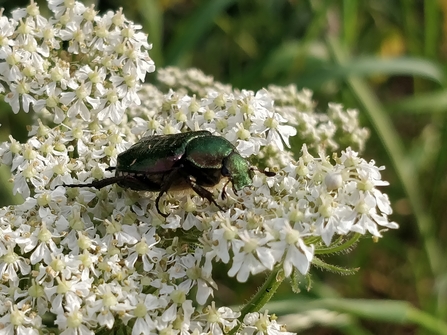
pixel 111 168
pixel 267 173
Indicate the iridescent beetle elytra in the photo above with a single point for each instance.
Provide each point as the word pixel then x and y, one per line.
pixel 194 160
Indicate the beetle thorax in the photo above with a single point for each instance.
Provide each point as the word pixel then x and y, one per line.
pixel 237 169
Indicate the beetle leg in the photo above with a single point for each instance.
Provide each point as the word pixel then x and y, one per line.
pixel 157 202
pixel 224 191
pixel 267 173
pixel 203 192
pixel 101 183
pixel 164 188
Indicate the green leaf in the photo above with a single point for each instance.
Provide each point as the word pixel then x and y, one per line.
pixel 373 66
pixel 196 27
pixel 394 312
pixel 435 101
pixel 152 15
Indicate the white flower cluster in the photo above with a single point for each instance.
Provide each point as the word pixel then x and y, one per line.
pixel 322 132
pixel 74 64
pixel 189 81
pixel 106 259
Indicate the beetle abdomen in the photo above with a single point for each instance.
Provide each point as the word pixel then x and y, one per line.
pixel 140 181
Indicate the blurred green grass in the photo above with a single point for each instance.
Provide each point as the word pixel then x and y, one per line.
pixel 384 57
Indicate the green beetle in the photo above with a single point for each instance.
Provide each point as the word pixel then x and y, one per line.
pixel 194 160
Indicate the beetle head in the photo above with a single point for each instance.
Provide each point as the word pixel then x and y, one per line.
pixel 238 170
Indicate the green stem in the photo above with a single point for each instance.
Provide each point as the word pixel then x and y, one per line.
pixel 262 297
pixel 337 248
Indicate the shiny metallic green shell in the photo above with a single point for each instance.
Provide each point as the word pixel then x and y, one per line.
pixel 198 154
pixel 179 161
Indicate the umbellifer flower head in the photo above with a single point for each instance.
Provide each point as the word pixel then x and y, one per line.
pixel 106 258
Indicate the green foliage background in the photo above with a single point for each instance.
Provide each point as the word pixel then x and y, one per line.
pixel 383 57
